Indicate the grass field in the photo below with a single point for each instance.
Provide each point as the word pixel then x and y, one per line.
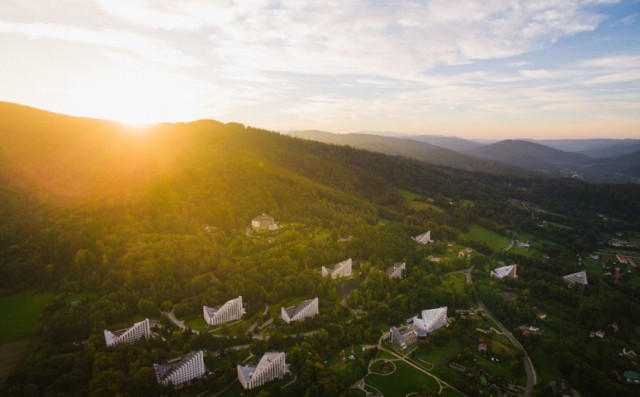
pixel 442 354
pixel 416 201
pixel 455 282
pixel 21 314
pixel 13 354
pixel 403 381
pixel 492 239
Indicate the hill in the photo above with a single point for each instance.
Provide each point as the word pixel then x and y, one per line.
pixel 531 156
pixel 414 148
pixel 448 142
pixel 594 148
pixel 114 225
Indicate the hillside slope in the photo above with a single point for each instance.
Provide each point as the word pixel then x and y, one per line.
pixel 413 148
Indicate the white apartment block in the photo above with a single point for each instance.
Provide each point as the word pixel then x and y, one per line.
pixel 424 238
pixel 229 311
pixel 397 270
pixel 304 309
pixel 181 370
pixel 128 335
pixel 505 271
pixel 576 278
pixel 405 336
pixel 271 366
pixel 431 320
pixel 342 269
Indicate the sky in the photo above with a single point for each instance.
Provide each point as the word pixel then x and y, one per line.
pixel 487 69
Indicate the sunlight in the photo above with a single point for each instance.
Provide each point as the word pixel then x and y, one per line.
pixel 133 97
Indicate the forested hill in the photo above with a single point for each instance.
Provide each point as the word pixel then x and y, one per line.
pixel 68 182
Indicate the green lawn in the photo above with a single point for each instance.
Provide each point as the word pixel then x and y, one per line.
pixel 21 314
pixel 492 239
pixel 455 282
pixel 403 381
pixel 442 354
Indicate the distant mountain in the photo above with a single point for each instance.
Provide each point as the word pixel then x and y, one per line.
pixel 447 142
pixel 531 156
pixel 594 148
pixel 411 148
pixel 540 158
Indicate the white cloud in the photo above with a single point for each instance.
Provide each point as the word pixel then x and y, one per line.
pixel 144 47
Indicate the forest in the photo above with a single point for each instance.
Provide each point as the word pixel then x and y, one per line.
pixel 116 225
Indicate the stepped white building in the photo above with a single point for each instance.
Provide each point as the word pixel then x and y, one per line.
pixel 576 278
pixel 229 311
pixel 304 309
pixel 271 366
pixel 128 335
pixel 424 238
pixel 342 269
pixel 431 320
pixel 182 369
pixel 397 270
pixel 505 271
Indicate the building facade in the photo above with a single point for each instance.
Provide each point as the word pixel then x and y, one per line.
pixel 404 337
pixel 431 320
pixel 397 270
pixel 181 370
pixel 229 311
pixel 263 223
pixel 137 331
pixel 505 271
pixel 342 269
pixel 304 309
pixel 271 366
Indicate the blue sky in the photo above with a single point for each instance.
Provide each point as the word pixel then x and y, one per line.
pixel 478 69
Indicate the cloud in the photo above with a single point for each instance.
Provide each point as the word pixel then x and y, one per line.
pixel 144 47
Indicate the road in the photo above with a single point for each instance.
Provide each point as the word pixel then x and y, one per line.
pixel 532 378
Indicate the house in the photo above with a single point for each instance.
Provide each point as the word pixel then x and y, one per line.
pixel 482 347
pixel 424 238
pixel 342 269
pixel 621 258
pixel 595 257
pixel 397 270
pixel 271 366
pixel 263 223
pixel 228 311
pixel 137 331
pixel 505 271
pixel 523 244
pixel 181 370
pixel 304 309
pixel 576 278
pixel 465 252
pixel 541 316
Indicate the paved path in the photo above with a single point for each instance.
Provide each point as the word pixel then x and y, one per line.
pixel 179 323
pixel 532 378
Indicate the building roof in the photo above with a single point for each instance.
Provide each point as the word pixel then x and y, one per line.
pixel 293 310
pixel 579 278
pixel 504 271
pixel 424 238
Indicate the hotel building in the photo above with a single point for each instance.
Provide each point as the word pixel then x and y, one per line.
pixel 128 335
pixel 271 366
pixel 182 369
pixel 505 271
pixel 306 308
pixel 431 320
pixel 229 311
pixel 342 269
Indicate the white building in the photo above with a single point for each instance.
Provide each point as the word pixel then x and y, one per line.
pixel 424 238
pixel 182 369
pixel 306 308
pixel 229 311
pixel 342 269
pixel 505 271
pixel 271 366
pixel 263 223
pixel 576 278
pixel 397 270
pixel 405 336
pixel 128 335
pixel 431 320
